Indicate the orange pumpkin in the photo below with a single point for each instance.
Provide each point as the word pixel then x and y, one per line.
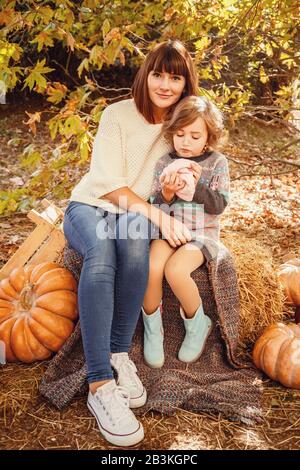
pixel 277 353
pixel 289 277
pixel 38 306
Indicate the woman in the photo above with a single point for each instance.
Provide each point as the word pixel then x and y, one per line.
pixel 106 210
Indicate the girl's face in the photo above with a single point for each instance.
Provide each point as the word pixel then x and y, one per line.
pixel 190 140
pixel 165 89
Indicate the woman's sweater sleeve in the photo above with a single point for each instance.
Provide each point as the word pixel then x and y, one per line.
pixel 108 169
pixel 215 196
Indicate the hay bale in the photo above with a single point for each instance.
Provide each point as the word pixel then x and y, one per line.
pixel 261 296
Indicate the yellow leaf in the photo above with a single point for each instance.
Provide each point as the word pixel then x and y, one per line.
pixel 262 75
pixel 43 39
pixel 202 44
pixel 33 119
pixel 56 92
pixel 83 65
pixel 113 34
pixel 122 58
pixel 70 41
pixel 269 50
pixel 105 27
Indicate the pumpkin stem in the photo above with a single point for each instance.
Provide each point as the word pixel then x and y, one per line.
pixel 26 299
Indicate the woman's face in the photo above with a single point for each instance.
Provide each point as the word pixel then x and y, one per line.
pixel 165 89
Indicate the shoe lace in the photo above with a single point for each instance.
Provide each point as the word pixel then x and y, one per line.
pixel 115 404
pixel 127 367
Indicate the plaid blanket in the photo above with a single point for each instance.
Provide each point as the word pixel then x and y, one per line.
pixel 218 382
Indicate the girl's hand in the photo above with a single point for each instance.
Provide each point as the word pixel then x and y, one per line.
pixel 175 232
pixel 196 170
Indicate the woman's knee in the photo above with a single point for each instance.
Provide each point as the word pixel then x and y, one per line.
pixel 135 227
pixel 84 227
pixel 101 253
pixel 132 238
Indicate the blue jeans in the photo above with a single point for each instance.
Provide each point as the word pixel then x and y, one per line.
pixel 113 279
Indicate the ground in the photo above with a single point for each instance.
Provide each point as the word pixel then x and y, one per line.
pixel 264 208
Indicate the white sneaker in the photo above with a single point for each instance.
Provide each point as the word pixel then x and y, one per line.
pixel 117 423
pixel 128 379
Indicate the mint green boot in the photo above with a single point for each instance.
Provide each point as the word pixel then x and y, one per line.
pixel 153 339
pixel 197 330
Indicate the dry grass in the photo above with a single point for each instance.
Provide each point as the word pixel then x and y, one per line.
pixel 28 422
pixel 262 298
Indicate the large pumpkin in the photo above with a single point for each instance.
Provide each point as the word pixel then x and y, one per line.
pixel 38 306
pixel 277 353
pixel 289 277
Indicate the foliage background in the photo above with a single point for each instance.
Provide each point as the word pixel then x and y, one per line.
pixel 78 56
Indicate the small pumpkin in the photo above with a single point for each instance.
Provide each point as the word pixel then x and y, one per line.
pixel 38 307
pixel 277 353
pixel 289 277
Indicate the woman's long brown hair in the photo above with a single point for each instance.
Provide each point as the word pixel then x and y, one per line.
pixel 172 57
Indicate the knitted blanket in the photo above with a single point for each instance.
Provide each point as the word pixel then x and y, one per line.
pixel 218 382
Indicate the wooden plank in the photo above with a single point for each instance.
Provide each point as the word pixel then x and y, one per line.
pixel 45 243
pixel 45 203
pixel 27 249
pixel 51 249
pixel 53 214
pixel 49 215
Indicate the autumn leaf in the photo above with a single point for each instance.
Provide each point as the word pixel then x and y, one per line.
pixel 7 16
pixel 70 41
pixel 36 76
pixel 262 75
pixel 33 119
pixel 56 92
pixel 43 39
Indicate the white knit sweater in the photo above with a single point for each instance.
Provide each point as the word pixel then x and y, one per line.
pixel 125 151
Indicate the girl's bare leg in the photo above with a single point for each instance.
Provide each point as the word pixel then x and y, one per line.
pixel 160 252
pixel 178 271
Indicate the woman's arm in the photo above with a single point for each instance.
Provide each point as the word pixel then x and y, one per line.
pixel 127 199
pixel 173 230
pixel 164 197
pixel 108 179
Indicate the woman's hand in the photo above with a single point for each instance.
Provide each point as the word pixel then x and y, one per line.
pixel 174 231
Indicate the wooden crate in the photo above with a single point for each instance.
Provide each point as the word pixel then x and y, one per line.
pixel 45 243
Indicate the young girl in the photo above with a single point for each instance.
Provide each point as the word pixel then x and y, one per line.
pixel 192 184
